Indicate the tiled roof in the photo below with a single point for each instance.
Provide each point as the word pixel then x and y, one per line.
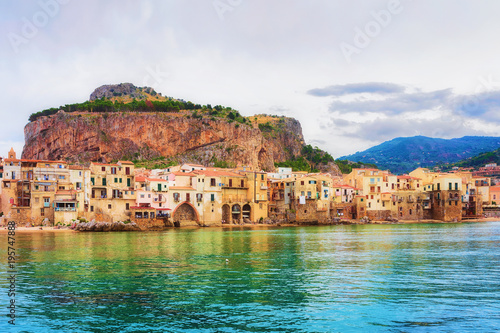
pixel 177 173
pixel 212 173
pixel 7 160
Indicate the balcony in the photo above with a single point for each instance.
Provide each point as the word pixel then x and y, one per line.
pixel 65 209
pixel 263 187
pixel 411 200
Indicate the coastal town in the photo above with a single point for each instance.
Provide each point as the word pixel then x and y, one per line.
pixel 55 193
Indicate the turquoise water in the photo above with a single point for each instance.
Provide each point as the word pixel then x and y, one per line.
pixel 370 278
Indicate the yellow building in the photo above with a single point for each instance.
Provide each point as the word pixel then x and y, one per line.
pixel 112 191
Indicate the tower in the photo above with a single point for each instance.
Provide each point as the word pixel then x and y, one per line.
pixel 12 153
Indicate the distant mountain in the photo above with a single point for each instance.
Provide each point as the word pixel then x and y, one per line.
pixel 402 155
pixel 475 162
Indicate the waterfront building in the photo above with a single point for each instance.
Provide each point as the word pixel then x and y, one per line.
pixel 112 191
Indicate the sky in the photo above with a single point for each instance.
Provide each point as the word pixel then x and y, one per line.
pixel 354 73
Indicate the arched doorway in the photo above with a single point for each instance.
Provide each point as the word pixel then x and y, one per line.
pixel 246 212
pixel 236 213
pixel 226 214
pixel 185 212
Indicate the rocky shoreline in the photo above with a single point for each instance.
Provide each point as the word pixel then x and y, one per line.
pixel 131 226
pixel 105 226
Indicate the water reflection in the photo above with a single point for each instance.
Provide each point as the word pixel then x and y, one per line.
pixel 342 278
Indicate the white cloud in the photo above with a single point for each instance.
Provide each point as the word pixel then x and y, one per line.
pixel 264 56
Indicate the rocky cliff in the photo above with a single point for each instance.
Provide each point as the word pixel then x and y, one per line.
pixel 125 122
pixel 115 136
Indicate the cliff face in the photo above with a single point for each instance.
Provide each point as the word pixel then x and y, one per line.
pixel 118 136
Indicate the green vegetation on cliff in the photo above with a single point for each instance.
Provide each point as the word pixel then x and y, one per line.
pixel 309 161
pixel 171 105
pixel 346 166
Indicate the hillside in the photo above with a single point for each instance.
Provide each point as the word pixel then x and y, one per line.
pixel 114 125
pixel 475 162
pixel 402 155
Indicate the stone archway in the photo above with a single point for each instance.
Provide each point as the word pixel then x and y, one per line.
pixel 226 214
pixel 236 213
pixel 184 212
pixel 246 212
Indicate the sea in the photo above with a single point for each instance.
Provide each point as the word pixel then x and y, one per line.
pixel 348 278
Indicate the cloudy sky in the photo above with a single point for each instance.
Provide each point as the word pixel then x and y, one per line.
pixel 355 73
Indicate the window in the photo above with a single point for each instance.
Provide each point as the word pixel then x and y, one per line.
pixel 116 180
pixel 109 206
pixel 456 186
pixel 199 197
pixel 212 181
pixel 242 183
pixel 261 177
pixel 177 197
pixel 42 211
pixel 212 197
pixel 104 182
pixel 103 169
pixel 91 208
pixel 438 187
pixel 113 171
pixel 188 196
pixel 149 195
pixel 92 180
pixel 230 183
pixel 127 206
pixel 449 186
pixel 120 180
pixel 142 196
pixel 302 183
